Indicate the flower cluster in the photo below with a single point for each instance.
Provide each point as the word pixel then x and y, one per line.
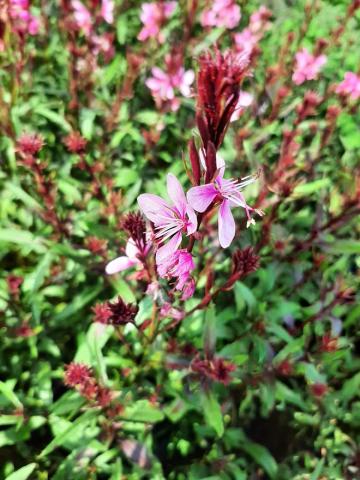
pixel 216 369
pixel 23 21
pixel 247 40
pixel 222 13
pixel 307 66
pixel 153 16
pixel 80 377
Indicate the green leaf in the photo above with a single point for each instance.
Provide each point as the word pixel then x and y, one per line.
pixel 23 473
pixel 78 303
pixel 23 238
pixel 344 247
pixel 10 395
pixel 261 456
pixel 67 434
pixel 212 412
pixel 309 188
pixel 143 411
pixel 244 294
pixel 54 117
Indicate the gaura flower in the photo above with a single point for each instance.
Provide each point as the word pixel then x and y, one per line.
pixel 163 85
pixel 82 17
pixel 223 13
pixel 228 194
pixel 307 66
pixel 23 20
pixel 153 16
pixel 350 86
pixel 179 265
pixel 170 221
pixel 107 10
pixel 130 259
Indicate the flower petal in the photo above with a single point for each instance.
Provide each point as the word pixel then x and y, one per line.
pixel 155 208
pixel 118 265
pixel 226 224
pixel 132 251
pixel 176 192
pixel 201 197
pixel 169 248
pixel 192 225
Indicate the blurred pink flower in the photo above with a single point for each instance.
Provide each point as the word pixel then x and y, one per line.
pixel 82 17
pixel 170 221
pixel 103 44
pixel 226 193
pixel 307 66
pixel 107 10
pixel 179 264
pixel 350 86
pixel 245 100
pixel 24 21
pixel 223 13
pixel 246 40
pixel 163 85
pixel 153 16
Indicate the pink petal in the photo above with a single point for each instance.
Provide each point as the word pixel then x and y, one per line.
pixel 176 192
pixel 118 265
pixel 226 224
pixel 169 248
pixel 192 225
pixel 201 197
pixel 132 251
pixel 155 208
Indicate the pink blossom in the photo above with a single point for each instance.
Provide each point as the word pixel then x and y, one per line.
pixel 226 193
pixel 82 17
pixel 103 44
pixel 130 259
pixel 24 21
pixel 223 13
pixel 153 16
pixel 163 85
pixel 167 310
pixel 170 221
pixel 179 264
pixel 107 10
pixel 350 86
pixel 245 41
pixel 245 100
pixel 307 66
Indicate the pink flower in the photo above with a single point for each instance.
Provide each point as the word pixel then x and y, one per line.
pixel 163 85
pixel 153 16
pixel 228 194
pixel 245 100
pixel 223 13
pixel 307 66
pixel 245 41
pixel 259 20
pixel 179 265
pixel 82 17
pixel 170 221
pixel 130 259
pixel 107 10
pixel 103 44
pixel 25 22
pixel 350 86
pixel 167 310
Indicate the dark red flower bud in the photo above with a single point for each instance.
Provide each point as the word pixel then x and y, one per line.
pixel 102 313
pixel 96 245
pixel 134 225
pixel 29 143
pixel 77 374
pixel 122 313
pixel 195 162
pixel 244 262
pixel 14 282
pixel 329 343
pixel 217 369
pixel 218 86
pixel 319 389
pixel 75 143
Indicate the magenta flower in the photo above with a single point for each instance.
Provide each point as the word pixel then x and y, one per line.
pixel 179 264
pixel 153 16
pixel 307 66
pixel 170 221
pixel 223 13
pixel 246 40
pixel 228 194
pixel 350 86
pixel 82 17
pixel 130 259
pixel 24 21
pixel 163 85
pixel 107 10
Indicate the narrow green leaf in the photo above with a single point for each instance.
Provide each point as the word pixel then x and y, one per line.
pixel 212 412
pixel 23 473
